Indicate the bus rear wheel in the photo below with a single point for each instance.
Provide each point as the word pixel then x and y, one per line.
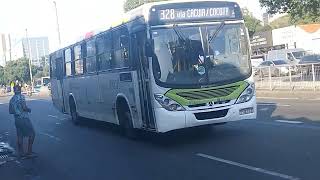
pixel 73 112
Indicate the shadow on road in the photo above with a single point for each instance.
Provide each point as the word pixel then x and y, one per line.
pixel 266 110
pixel 190 136
pixel 175 138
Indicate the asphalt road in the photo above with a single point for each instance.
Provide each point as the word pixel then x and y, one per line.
pixel 283 143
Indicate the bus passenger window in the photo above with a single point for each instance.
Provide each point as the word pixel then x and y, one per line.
pixel 91 64
pixel 121 48
pixel 124 43
pixel 78 60
pixel 104 52
pixel 52 66
pixel 67 56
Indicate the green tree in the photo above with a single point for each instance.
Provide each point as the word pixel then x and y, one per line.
pixel 286 21
pixel 2 77
pixel 264 28
pixel 306 10
pixel 19 70
pixel 281 22
pixel 252 24
pixel 131 4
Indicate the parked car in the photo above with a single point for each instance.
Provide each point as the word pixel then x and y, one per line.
pixel 291 56
pixel 257 60
pixel 36 88
pixel 305 65
pixel 277 68
pixel 310 59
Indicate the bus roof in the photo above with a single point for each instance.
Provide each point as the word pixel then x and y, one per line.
pixel 144 11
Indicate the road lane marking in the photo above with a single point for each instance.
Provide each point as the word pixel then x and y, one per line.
pixel 51 136
pixel 264 171
pixel 273 123
pixel 317 99
pixel 56 117
pixel 263 109
pixel 277 98
pixel 290 122
pixel 273 104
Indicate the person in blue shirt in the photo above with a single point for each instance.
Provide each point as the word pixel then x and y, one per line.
pixel 24 127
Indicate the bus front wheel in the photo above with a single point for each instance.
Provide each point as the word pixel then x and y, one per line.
pixel 125 120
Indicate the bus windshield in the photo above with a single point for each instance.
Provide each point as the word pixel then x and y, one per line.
pixel 189 56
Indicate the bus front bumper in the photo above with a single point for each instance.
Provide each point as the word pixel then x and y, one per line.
pixel 168 120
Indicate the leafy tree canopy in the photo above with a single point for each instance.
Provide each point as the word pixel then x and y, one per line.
pixel 2 78
pixel 299 10
pixel 131 4
pixel 19 70
pixel 252 24
pixel 281 22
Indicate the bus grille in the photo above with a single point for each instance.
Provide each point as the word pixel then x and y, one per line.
pixel 211 115
pixel 208 94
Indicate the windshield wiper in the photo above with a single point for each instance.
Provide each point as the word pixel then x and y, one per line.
pixel 179 33
pixel 214 35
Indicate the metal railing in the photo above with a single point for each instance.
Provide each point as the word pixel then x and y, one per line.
pixel 302 76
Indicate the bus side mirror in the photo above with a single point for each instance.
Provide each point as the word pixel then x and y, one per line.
pixel 149 48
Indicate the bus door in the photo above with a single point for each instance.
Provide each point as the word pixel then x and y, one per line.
pixel 139 40
pixel 56 83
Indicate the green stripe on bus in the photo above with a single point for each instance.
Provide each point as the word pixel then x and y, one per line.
pixel 195 97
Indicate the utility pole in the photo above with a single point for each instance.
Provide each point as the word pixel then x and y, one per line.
pixel 57 21
pixel 30 56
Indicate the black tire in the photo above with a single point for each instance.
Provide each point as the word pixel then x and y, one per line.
pixel 127 129
pixel 73 112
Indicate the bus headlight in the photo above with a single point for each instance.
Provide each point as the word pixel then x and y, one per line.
pixel 247 94
pixel 168 103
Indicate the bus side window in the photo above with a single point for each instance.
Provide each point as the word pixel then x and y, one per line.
pixel 78 60
pixel 68 62
pixel 59 68
pixel 121 48
pixel 124 43
pixel 52 66
pixel 104 51
pixel 91 65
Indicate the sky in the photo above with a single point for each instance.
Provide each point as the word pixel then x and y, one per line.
pixel 76 17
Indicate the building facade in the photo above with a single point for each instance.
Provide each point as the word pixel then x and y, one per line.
pixel 5 49
pixel 36 48
pixel 300 36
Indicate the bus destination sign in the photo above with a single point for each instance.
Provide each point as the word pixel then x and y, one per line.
pixel 193 14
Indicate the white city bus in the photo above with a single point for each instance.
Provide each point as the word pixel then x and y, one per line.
pixel 168 65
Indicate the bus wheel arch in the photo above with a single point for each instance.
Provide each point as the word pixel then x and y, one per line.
pixel 124 117
pixel 73 110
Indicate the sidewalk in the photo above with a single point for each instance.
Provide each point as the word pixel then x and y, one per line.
pixel 34 95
